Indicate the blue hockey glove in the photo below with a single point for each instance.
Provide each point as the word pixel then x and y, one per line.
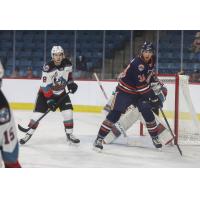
pixel 156 102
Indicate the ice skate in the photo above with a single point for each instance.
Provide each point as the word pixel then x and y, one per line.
pixel 98 144
pixel 156 142
pixel 72 139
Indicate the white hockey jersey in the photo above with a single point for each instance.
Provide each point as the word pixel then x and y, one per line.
pixel 55 78
pixel 8 136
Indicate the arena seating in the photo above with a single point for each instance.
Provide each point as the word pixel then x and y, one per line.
pixel 31 50
pixel 170 52
pixel 30 47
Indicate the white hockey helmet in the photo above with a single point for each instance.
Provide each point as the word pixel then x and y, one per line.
pixel 56 49
pixel 1 70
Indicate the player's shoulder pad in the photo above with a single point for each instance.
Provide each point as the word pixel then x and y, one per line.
pixel 48 67
pixel 135 62
pixel 5 115
pixel 66 62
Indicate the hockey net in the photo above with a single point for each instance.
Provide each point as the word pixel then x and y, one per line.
pixel 180 110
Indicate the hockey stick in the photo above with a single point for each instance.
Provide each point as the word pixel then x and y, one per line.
pixel 38 120
pixel 106 97
pixel 170 130
pixel 100 85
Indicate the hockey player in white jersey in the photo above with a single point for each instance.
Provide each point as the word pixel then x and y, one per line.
pixel 9 147
pixel 56 83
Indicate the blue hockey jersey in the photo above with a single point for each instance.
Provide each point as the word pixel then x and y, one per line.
pixel 136 78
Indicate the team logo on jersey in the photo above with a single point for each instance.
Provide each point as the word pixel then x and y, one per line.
pixel 55 75
pixel 141 67
pixel 4 115
pixel 46 68
pixel 141 78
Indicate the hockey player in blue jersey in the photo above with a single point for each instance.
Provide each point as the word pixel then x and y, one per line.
pixel 134 88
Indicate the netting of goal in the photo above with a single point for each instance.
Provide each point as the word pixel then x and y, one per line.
pixel 180 110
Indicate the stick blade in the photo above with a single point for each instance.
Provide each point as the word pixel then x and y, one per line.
pixel 23 129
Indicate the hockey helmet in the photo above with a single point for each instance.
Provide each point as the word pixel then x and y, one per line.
pixel 147 46
pixel 56 49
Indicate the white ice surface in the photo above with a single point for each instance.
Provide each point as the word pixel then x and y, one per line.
pixel 48 147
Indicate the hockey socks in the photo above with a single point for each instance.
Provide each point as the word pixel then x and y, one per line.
pixel 153 131
pixel 103 132
pixel 105 128
pixel 69 125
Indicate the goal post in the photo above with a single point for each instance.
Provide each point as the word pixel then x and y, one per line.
pixel 180 110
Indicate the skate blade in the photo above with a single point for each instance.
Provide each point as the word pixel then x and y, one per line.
pixel 159 149
pixel 98 150
pixel 70 143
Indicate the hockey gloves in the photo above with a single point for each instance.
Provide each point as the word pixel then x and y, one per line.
pixel 52 104
pixel 72 87
pixel 156 102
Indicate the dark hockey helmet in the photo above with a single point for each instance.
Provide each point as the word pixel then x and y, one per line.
pixel 147 46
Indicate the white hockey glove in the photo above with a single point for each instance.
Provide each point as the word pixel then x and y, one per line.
pixel 159 90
